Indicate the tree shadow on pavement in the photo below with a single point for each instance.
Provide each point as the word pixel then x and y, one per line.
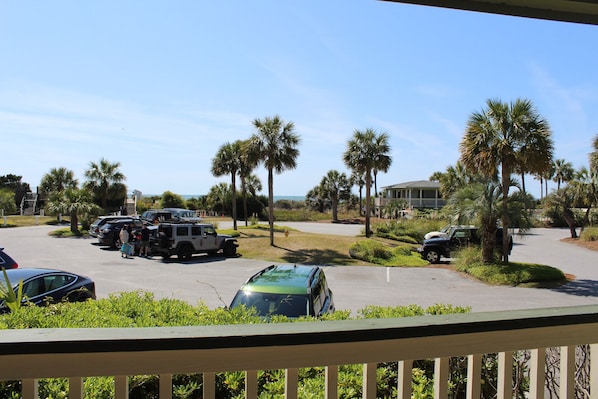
pixel 579 288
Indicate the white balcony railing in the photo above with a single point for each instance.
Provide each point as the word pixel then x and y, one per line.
pixel 29 355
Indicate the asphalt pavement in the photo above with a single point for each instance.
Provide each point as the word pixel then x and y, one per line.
pixel 214 280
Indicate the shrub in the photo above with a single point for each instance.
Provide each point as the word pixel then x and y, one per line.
pixel 469 261
pixel 376 252
pixel 407 230
pixel 589 234
pixel 141 309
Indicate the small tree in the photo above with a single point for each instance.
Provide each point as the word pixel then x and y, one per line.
pixel 275 145
pixel 74 202
pixel 7 201
pixel 335 187
pixel 172 200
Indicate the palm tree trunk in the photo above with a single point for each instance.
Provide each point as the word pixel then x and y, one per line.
pixel 360 201
pixel 334 210
pixel 234 199
pixel 368 184
pixel 506 176
pixel 74 222
pixel 271 205
pixel 523 182
pixel 570 220
pixel 488 240
pixel 245 206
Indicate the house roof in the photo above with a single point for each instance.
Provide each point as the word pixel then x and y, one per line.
pixel 425 184
pixel 580 11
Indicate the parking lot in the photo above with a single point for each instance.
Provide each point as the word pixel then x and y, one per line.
pixel 214 280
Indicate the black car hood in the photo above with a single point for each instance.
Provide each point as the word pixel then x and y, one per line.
pixel 436 241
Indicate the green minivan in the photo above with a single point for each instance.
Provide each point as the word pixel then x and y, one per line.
pixel 289 290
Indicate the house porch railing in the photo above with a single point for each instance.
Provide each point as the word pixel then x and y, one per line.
pixel 29 355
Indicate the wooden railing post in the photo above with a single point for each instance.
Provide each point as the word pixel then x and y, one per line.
pixel 404 387
pixel 441 375
pixel 251 384
pixel 537 373
pixel 331 377
pixel 209 385
pixel 474 376
pixel 505 375
pixel 291 382
pixel 369 380
pixel 165 386
pixel 121 387
pixel 30 389
pixel 567 383
pixel 76 388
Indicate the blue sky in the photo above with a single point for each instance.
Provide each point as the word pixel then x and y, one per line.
pixel 159 86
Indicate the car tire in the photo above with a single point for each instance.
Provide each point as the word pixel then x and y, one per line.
pixel 116 244
pixel 229 249
pixel 185 252
pixel 432 256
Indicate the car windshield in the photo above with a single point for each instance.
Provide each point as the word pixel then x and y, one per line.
pixel 268 304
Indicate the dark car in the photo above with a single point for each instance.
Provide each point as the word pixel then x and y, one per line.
pixel 109 233
pixel 6 262
pixel 289 290
pixel 44 286
pixel 456 237
pixel 156 216
pixel 94 228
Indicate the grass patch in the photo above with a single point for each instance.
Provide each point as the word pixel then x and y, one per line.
pixel 589 234
pixel 23 221
pixel 66 232
pixel 514 273
pixel 297 247
pixel 379 253
pixel 409 231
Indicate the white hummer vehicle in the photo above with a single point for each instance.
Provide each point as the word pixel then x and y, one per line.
pixel 186 239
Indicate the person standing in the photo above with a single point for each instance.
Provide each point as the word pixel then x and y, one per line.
pixel 124 239
pixel 144 249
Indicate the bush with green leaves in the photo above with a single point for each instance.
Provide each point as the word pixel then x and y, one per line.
pixel 469 260
pixel 376 252
pixel 407 230
pixel 589 234
pixel 141 309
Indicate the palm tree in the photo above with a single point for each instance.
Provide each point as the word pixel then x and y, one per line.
pixel 366 152
pixel 563 172
pixel 245 170
pixel 495 140
pixel 480 202
pixel 218 194
pixel 75 202
pixel 275 145
pixel 382 161
pixel 561 203
pixel 335 186
pixel 101 177
pixel 57 180
pixel 594 155
pixel 228 161
pixel 357 179
pixel 316 198
pixel 584 191
pixel 454 178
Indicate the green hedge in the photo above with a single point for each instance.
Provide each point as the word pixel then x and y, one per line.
pixel 376 252
pixel 141 309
